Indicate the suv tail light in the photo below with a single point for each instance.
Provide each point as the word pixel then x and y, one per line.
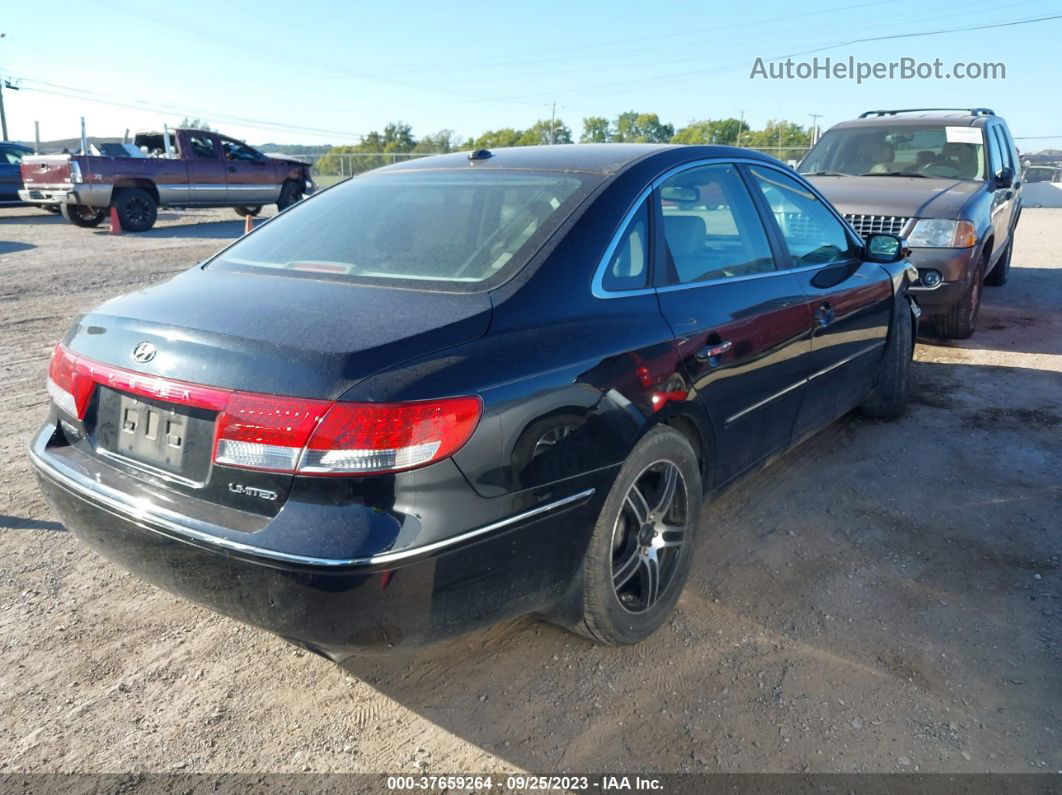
pixel 285 434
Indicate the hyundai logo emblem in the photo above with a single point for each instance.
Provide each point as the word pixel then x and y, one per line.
pixel 144 353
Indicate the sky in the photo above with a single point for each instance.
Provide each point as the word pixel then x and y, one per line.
pixel 327 72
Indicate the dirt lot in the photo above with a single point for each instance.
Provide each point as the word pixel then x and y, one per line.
pixel 886 597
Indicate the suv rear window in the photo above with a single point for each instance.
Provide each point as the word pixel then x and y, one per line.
pixel 444 230
pixel 906 150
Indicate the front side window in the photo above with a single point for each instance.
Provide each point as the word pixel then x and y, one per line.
pixel 711 227
pixel 812 233
pixel 443 230
pixel 901 150
pixel 628 269
pixel 234 150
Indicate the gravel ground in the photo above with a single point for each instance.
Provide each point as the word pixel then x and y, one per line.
pixel 886 597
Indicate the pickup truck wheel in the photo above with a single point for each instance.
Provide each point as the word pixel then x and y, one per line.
pixel 999 274
pixel 290 193
pixel 888 401
pixel 82 214
pixel 961 320
pixel 137 209
pixel 245 211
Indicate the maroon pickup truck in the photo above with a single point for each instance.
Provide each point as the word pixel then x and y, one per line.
pixel 201 169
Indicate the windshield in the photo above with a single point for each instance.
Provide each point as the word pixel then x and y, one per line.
pixel 445 230
pixel 931 151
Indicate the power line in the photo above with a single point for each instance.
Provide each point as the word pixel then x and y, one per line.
pixel 73 92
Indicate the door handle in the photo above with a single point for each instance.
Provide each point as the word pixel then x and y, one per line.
pixel 232 169
pixel 711 353
pixel 824 315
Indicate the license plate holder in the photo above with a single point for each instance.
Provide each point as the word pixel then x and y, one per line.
pixel 159 436
pixel 151 433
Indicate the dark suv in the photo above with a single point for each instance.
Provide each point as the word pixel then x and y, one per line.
pixel 947 180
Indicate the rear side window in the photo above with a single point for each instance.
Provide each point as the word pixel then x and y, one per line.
pixel 629 267
pixel 446 230
pixel 711 227
pixel 812 233
pixel 202 147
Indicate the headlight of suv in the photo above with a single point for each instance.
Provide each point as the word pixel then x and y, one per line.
pixel 941 233
pixel 75 174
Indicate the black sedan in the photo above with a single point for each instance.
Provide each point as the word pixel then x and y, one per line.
pixel 471 387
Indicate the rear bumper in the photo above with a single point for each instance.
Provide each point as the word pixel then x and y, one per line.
pixel 91 195
pixel 335 606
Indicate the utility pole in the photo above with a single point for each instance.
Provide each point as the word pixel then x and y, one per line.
pixel 552 124
pixel 3 116
pixel 741 125
pixel 815 127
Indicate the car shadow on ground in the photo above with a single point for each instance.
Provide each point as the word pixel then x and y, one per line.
pixel 10 247
pixel 22 523
pixel 42 219
pixel 210 230
pixel 810 611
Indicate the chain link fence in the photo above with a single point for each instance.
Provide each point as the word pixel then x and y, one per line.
pixel 332 167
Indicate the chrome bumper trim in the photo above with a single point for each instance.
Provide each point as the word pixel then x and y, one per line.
pixel 114 502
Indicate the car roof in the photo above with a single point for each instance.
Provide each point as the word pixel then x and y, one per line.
pixel 604 159
pixel 954 119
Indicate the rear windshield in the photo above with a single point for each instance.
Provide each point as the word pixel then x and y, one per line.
pixel 903 150
pixel 442 230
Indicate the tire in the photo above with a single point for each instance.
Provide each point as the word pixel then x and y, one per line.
pixel 960 321
pixel 999 274
pixel 290 193
pixel 82 214
pixel 888 401
pixel 243 212
pixel 137 209
pixel 620 605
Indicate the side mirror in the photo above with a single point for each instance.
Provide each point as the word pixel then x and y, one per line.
pixel 1005 179
pixel 885 249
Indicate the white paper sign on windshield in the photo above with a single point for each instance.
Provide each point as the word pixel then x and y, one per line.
pixel 963 135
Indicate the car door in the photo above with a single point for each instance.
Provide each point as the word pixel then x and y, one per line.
pixel 250 174
pixel 850 301
pixel 10 173
pixel 206 169
pixel 1003 199
pixel 741 323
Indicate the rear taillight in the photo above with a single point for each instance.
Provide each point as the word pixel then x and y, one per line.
pixel 69 385
pixel 315 437
pixel 284 434
pixel 266 432
pixel 382 437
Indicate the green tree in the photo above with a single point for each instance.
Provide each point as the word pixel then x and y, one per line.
pixel 195 124
pixel 717 131
pixel 539 133
pixel 493 139
pixel 595 130
pixel 374 150
pixel 782 139
pixel 642 128
pixel 442 141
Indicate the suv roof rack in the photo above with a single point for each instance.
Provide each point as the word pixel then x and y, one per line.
pixel 971 111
